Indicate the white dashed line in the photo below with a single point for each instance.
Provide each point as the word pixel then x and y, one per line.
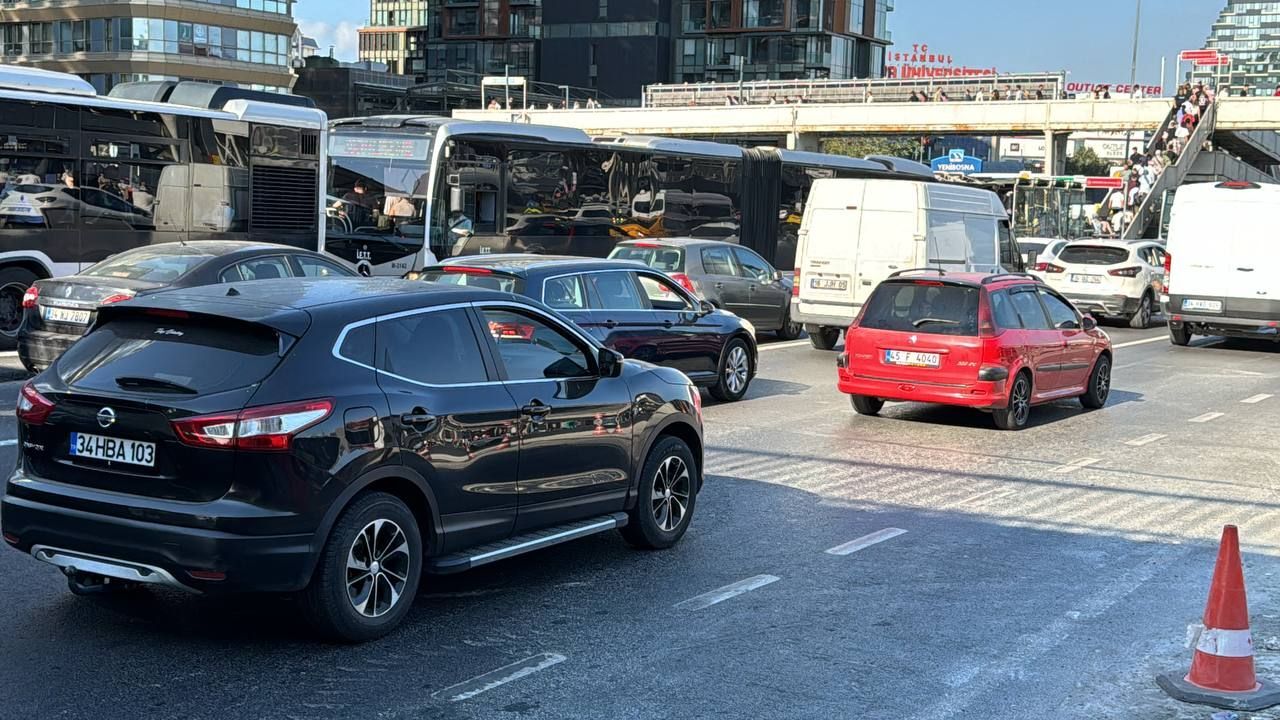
pixel 1158 338
pixel 706 600
pixel 7 443
pixel 865 541
pixel 1256 399
pixel 781 345
pixel 1206 417
pixel 1145 439
pixel 1075 465
pixel 986 497
pixel 497 678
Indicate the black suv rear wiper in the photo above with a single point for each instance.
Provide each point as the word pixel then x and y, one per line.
pixel 939 321
pixel 140 383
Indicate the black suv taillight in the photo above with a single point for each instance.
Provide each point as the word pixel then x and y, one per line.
pixel 33 408
pixel 271 427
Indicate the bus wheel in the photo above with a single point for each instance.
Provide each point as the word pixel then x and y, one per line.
pixel 13 285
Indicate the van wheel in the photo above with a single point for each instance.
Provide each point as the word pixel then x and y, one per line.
pixel 14 282
pixel 825 338
pixel 368 573
pixel 668 491
pixel 1179 335
pixel 864 405
pixel 1141 319
pixel 1099 387
pixel 1018 411
pixel 735 372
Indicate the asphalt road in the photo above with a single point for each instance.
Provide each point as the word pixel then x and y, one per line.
pixel 916 565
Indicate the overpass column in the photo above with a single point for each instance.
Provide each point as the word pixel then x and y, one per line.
pixel 1055 152
pixel 803 141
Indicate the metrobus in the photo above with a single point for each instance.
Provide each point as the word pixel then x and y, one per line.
pixel 84 176
pixel 408 190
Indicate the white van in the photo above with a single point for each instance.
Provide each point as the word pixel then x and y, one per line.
pixel 857 232
pixel 1222 270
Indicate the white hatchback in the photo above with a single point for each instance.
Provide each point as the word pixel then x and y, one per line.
pixel 1109 278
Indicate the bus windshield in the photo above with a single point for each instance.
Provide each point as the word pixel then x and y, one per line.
pixel 378 186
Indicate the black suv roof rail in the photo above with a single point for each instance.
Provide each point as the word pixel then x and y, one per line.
pixel 999 276
pixel 939 271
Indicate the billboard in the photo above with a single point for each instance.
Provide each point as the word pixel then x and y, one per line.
pixel 956 161
pixel 920 62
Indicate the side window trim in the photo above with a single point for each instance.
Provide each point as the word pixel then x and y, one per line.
pixel 581 341
pixel 490 369
pixel 235 266
pixel 675 286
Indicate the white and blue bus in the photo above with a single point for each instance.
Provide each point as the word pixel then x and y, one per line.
pixel 84 176
pixel 408 190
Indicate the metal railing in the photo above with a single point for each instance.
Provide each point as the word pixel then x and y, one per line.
pixel 764 92
pixel 1172 176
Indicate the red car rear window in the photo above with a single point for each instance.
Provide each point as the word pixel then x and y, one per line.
pixel 917 307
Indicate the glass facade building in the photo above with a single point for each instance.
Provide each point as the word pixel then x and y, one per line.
pixel 246 43
pixel 1248 32
pixel 385 39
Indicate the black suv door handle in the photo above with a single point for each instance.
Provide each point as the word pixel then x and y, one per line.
pixel 536 409
pixel 419 419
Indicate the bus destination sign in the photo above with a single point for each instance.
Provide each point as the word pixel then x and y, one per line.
pixel 381 147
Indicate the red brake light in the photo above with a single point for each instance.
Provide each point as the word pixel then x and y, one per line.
pixel 685 282
pixel 118 297
pixel 467 270
pixel 33 408
pixel 1125 272
pixel 1238 185
pixel 648 245
pixel 931 283
pixel 795 284
pixel 986 326
pixel 30 296
pixel 161 312
pixel 271 427
pixel 1049 268
pixel 511 330
pixel 1168 271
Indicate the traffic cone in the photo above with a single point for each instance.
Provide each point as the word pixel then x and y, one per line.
pixel 1222 667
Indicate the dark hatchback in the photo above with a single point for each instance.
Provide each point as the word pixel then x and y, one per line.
pixel 57 312
pixel 636 310
pixel 338 438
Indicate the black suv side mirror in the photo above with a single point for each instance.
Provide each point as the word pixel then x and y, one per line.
pixel 1088 323
pixel 610 362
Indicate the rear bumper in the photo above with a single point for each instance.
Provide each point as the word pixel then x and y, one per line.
pixel 79 538
pixel 1109 305
pixel 978 394
pixel 39 348
pixel 1226 326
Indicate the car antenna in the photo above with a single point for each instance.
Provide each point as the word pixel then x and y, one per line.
pixel 232 292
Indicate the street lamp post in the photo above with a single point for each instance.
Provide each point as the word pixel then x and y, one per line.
pixel 1133 66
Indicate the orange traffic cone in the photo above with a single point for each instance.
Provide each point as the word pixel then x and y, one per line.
pixel 1222 667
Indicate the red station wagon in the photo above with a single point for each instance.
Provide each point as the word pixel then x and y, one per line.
pixel 1000 343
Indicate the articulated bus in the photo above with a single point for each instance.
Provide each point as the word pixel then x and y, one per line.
pixel 406 190
pixel 84 176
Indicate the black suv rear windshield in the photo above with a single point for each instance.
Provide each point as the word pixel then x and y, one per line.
pixel 163 355
pixel 923 306
pixel 666 259
pixel 1093 255
pixel 476 278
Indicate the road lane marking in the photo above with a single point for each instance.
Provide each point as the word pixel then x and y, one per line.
pixel 1131 343
pixel 865 541
pixel 9 353
pixel 1145 439
pixel 706 600
pixel 1206 417
pixel 7 443
pixel 998 492
pixel 777 346
pixel 1256 399
pixel 468 689
pixel 1075 465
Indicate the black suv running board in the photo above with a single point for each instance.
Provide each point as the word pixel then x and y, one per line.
pixel 520 544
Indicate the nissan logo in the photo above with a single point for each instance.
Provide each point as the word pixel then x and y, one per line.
pixel 106 417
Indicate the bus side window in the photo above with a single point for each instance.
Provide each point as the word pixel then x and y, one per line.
pixel 1010 259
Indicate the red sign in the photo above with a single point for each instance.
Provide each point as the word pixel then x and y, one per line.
pixel 1104 182
pixel 1194 55
pixel 1121 88
pixel 1213 62
pixel 919 62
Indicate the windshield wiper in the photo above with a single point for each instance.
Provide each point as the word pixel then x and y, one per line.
pixel 938 321
pixel 142 383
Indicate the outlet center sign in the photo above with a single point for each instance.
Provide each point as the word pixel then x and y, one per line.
pixel 956 161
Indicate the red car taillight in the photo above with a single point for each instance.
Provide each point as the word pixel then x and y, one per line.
pixel 118 297
pixel 986 326
pixel 795 284
pixel 33 408
pixel 1049 268
pixel 685 282
pixel 1125 272
pixel 30 296
pixel 271 427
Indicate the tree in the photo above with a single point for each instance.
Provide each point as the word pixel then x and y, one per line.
pixel 863 145
pixel 1087 162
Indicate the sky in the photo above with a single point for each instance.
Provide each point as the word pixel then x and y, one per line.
pixel 1090 38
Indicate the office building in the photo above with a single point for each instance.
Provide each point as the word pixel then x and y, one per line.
pixel 246 43
pixel 385 38
pixel 725 40
pixel 1248 32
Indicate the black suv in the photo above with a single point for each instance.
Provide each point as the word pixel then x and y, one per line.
pixel 339 438
pixel 636 310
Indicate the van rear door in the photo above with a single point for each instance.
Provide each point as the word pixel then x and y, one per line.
pixel 830 255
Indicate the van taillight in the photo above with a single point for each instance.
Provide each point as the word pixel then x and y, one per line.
pixel 1168 270
pixel 795 284
pixel 271 427
pixel 33 408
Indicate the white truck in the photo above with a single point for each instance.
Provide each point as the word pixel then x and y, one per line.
pixel 857 232
pixel 1222 268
